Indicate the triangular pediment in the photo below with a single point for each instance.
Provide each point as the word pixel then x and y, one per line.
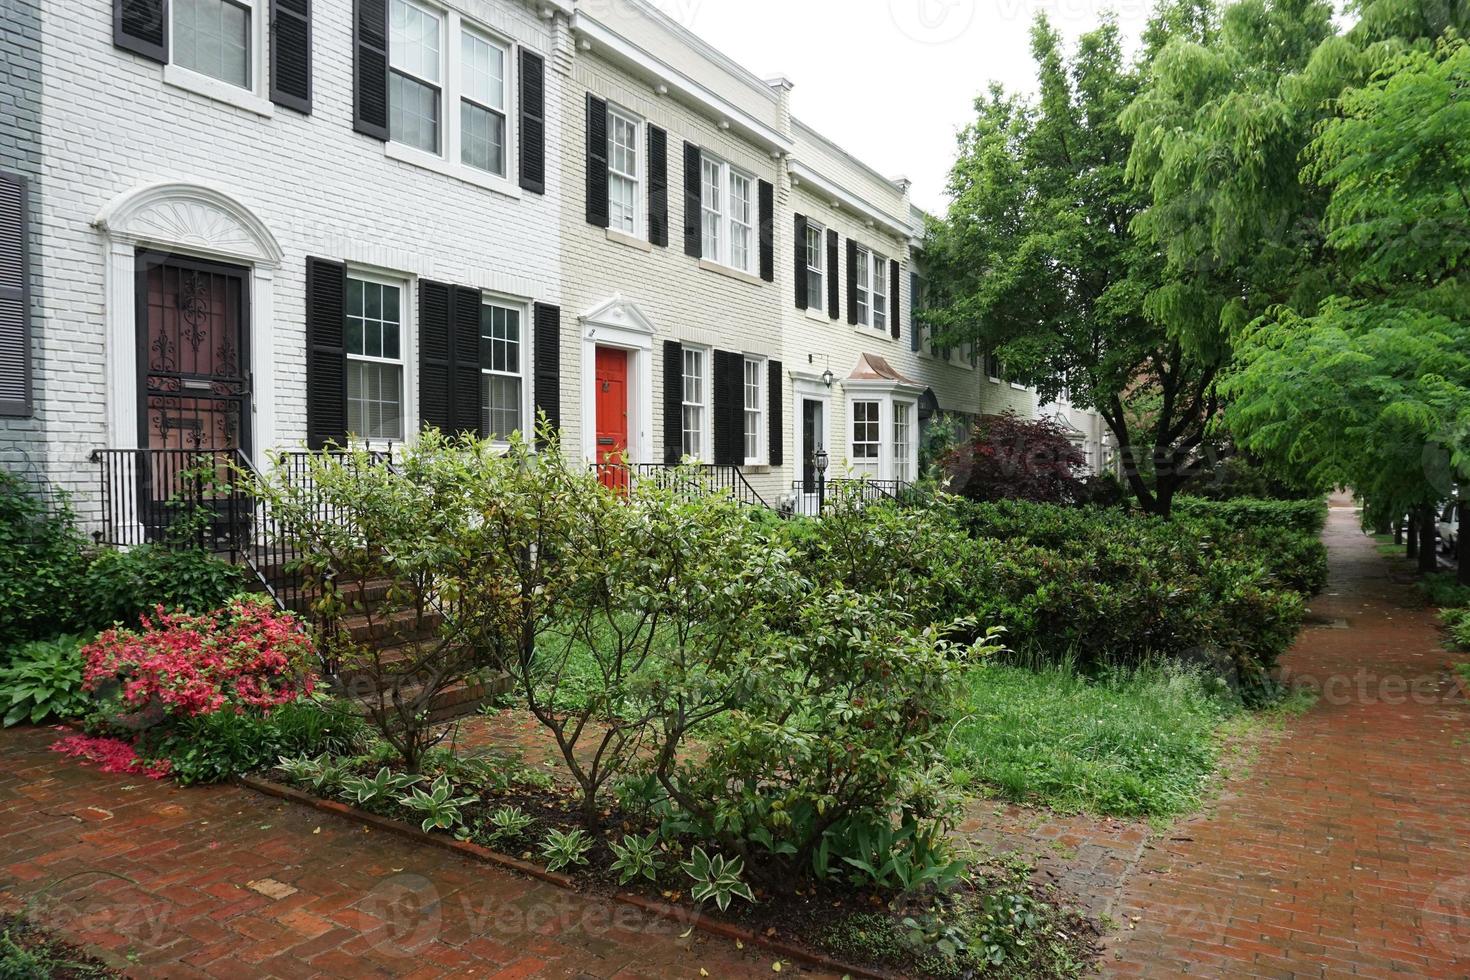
pixel 620 314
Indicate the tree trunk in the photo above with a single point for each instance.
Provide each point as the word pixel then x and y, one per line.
pixel 1385 525
pixel 1428 553
pixel 1462 570
pixel 1398 531
pixel 1411 549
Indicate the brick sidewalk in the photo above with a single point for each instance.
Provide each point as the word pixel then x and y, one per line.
pixel 1345 851
pixel 221 882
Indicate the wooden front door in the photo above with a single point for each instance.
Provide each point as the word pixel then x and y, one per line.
pixel 612 416
pixel 194 381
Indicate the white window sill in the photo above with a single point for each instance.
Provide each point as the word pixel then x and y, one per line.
pixel 995 381
pixel 874 332
pixel 1018 387
pixel 439 165
pixel 213 88
pixel 731 272
pixel 632 241
pixel 819 315
pixel 755 468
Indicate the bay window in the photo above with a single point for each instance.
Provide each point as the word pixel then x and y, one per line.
pixel 502 368
pixel 727 207
pixel 867 437
pixel 903 441
pixel 375 359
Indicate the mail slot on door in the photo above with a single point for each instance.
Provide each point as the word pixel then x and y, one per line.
pixel 606 441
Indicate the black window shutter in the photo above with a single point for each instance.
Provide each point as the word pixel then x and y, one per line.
pixel 326 353
pixel 533 122
pixel 766 193
pixel 290 28
pixel 915 329
pixel 673 402
pixel 548 364
pixel 658 187
pixel 15 296
pixel 436 408
pixel 370 68
pixel 895 304
pixel 834 276
pixel 596 161
pixel 774 401
pixel 802 302
pixel 729 408
pixel 464 362
pixel 141 26
pixel 852 292
pixel 693 239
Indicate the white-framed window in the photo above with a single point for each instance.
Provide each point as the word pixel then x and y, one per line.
pixel 867 437
pixel 696 402
pixel 993 369
pixel 415 75
pixel 755 401
pixel 904 457
pixel 863 276
pixel 216 38
pixel 624 171
pixel 880 292
pixel 482 102
pixel 728 209
pixel 816 267
pixel 502 369
pixel 375 358
pixel 450 94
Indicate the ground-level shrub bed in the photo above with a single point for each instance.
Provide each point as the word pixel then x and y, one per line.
pixel 994 921
pixel 1130 743
pixel 29 952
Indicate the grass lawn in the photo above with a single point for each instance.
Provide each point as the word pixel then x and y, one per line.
pixel 1140 743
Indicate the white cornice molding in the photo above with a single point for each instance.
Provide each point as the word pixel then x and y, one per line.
pixel 608 42
pixel 852 202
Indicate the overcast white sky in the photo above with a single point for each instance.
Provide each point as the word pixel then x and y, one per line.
pixel 892 81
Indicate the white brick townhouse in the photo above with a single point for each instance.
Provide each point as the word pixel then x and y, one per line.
pixel 247 224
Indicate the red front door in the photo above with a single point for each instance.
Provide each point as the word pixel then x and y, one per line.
pixel 612 415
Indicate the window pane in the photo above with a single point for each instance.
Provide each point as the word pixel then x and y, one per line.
pixel 502 398
pixel 741 222
pixel 752 409
pixel 482 138
pixel 213 37
pixel 865 437
pixel 622 204
pixel 482 72
pixel 902 441
pixel 413 112
pixel 374 400
pixel 713 200
pixel 413 40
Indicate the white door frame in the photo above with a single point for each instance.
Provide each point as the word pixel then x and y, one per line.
pixel 806 387
pixel 619 324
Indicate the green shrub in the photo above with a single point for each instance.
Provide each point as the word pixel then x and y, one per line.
pixel 43 557
pixel 1442 590
pixel 120 586
pixel 43 682
pixel 1301 516
pixel 219 746
pixel 1457 622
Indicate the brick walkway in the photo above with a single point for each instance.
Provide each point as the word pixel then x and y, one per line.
pixel 1345 851
pixel 220 882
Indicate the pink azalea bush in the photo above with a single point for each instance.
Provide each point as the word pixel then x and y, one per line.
pixel 110 755
pixel 246 655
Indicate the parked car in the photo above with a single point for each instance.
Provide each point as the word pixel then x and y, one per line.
pixel 1449 529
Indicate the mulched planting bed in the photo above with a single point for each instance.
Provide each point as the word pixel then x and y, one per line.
pixel 830 923
pixel 27 950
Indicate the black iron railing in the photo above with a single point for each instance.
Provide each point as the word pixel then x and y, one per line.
pixel 812 499
pixel 691 481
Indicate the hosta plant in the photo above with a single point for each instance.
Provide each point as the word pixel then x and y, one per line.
pixel 508 823
pixel 439 806
pixel 562 850
pixel 637 857
pixel 716 878
pixel 298 769
pixel 364 790
pixel 43 681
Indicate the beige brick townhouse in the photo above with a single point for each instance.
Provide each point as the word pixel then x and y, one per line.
pixel 236 225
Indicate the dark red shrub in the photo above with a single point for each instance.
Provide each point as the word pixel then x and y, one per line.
pixel 1011 458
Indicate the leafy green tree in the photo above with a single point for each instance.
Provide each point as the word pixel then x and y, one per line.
pixel 1036 260
pixel 1372 386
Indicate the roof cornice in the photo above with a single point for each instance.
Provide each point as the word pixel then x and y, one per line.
pixel 852 202
pixel 681 85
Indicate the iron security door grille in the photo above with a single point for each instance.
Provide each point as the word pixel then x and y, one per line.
pixel 194 386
